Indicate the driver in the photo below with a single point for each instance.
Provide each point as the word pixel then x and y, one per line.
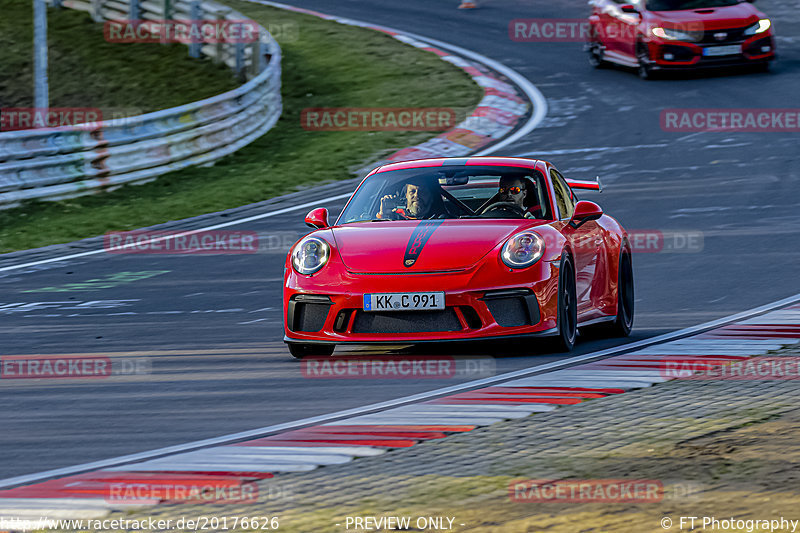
pixel 420 202
pixel 519 191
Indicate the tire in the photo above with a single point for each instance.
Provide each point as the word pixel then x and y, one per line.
pixel 300 351
pixel 567 322
pixel 596 56
pixel 644 70
pixel 764 68
pixel 623 323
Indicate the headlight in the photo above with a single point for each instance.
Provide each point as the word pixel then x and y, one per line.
pixel 522 250
pixel 310 254
pixel 759 27
pixel 674 35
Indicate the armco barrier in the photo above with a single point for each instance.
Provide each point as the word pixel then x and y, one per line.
pixel 53 164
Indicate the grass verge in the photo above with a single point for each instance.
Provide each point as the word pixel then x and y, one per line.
pixel 325 65
pixel 86 71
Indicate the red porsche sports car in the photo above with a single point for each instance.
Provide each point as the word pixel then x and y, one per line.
pixel 455 250
pixel 653 35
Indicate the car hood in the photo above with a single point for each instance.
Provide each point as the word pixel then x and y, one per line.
pixel 421 246
pixel 712 18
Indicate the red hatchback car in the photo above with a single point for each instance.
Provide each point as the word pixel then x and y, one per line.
pixel 454 250
pixel 653 35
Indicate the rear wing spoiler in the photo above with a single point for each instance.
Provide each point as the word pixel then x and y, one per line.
pixel 587 185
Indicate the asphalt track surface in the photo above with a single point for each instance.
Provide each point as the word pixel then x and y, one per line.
pixel 206 331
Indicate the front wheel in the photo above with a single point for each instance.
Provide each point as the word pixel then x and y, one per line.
pixel 644 69
pixel 300 351
pixel 596 55
pixel 567 307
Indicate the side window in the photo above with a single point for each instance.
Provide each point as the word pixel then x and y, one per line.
pixel 564 197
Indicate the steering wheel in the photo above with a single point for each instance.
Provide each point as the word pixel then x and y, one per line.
pixel 508 208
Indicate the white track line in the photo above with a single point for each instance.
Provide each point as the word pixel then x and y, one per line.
pixel 187 232
pixel 367 409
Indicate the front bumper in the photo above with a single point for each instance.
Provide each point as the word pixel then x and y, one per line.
pixel 678 55
pixel 479 304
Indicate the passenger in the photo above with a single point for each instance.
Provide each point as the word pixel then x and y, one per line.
pixel 421 201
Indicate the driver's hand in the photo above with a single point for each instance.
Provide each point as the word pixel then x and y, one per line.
pixel 386 204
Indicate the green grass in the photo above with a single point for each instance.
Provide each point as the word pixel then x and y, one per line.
pixel 325 64
pixel 86 71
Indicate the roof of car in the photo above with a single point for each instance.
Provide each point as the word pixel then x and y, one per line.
pixel 460 161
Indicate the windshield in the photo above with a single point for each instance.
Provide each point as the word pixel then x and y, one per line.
pixel 677 5
pixel 449 193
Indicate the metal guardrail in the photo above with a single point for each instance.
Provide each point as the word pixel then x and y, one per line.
pixel 56 163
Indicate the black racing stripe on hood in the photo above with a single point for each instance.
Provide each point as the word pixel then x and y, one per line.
pixel 418 239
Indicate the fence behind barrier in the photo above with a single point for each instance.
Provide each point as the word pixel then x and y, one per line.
pixel 57 163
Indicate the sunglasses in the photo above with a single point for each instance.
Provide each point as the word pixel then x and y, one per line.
pixel 512 190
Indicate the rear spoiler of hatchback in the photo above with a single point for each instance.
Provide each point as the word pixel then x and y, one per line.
pixel 587 185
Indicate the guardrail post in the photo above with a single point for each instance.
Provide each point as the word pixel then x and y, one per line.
pixel 239 68
pixel 255 57
pixel 96 10
pixel 217 13
pixel 166 14
pixel 196 14
pixel 133 10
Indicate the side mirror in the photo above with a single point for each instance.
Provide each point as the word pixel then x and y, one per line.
pixel 629 8
pixel 318 218
pixel 584 212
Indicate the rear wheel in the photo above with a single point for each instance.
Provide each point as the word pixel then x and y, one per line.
pixel 300 351
pixel 567 307
pixel 621 327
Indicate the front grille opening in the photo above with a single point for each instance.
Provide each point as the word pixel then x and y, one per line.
pixel 513 307
pixel 677 53
pixel 470 317
pixel 406 321
pixel 307 312
pixel 730 36
pixel 755 48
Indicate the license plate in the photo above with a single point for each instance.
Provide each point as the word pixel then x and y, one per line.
pixel 729 50
pixel 404 301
